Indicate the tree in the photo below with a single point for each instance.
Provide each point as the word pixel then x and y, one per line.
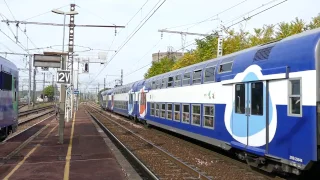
pixel 233 42
pixel 49 92
pixel 164 65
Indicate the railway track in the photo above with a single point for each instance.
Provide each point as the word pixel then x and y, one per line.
pixel 30 119
pixel 32 111
pixel 158 162
pixel 214 163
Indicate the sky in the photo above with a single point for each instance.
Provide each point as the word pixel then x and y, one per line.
pixel 133 56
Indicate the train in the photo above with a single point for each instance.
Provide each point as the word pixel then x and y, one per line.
pixel 9 97
pixel 262 104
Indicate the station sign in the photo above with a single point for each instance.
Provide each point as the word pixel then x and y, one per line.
pixel 46 61
pixel 63 77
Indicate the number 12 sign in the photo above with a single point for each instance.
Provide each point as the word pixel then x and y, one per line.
pixel 63 77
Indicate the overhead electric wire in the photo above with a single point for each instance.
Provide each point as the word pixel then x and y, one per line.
pixel 44 13
pixel 199 22
pixel 128 40
pixel 212 34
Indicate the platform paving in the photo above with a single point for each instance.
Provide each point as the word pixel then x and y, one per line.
pixel 87 157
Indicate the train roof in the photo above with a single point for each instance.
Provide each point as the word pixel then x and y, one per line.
pixel 293 49
pixel 8 63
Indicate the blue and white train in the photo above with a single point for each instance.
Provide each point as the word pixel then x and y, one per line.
pixel 9 89
pixel 261 103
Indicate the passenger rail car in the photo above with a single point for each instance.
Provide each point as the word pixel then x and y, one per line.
pixel 261 103
pixel 8 97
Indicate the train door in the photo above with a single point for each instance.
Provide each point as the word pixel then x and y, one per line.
pixel 15 95
pixel 131 103
pixel 249 122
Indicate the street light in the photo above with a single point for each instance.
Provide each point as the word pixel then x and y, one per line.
pixel 63 87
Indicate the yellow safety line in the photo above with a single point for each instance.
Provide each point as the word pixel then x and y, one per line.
pixel 28 155
pixel 68 157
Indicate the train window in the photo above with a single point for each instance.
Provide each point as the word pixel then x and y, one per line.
pixel 177 81
pixel 196 114
pixel 159 84
pixel 152 109
pixel 163 110
pixel 208 116
pixel 209 74
pixel 225 67
pixel 169 111
pixel 295 106
pixel 154 86
pixel 196 77
pixel 186 79
pixel 177 112
pixel 157 109
pixel 15 82
pixel 170 81
pixel 257 98
pixel 240 96
pixel 6 83
pixel 186 113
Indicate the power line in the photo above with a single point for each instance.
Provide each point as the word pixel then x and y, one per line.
pixel 129 39
pixel 210 18
pixel 213 34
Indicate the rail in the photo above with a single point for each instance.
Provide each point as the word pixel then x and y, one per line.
pixel 182 165
pixel 32 111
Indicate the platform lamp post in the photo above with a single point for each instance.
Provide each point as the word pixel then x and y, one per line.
pixel 63 66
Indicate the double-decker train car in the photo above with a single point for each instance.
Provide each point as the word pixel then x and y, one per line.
pixel 261 103
pixel 9 89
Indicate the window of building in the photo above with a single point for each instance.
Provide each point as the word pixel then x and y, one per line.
pixel 177 112
pixel 186 113
pixel 196 110
pixel 208 116
pixel 163 110
pixel 177 81
pixel 295 106
pixel 169 111
pixel 152 109
pixel 170 81
pixel 186 79
pixel 209 74
pixel 225 67
pixel 196 79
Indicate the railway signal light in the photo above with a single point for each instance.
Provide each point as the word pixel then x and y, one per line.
pixel 86 67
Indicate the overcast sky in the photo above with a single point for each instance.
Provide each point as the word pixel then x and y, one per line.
pixel 138 51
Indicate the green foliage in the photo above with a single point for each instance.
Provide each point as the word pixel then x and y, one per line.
pixel 164 65
pixel 233 42
pixel 49 91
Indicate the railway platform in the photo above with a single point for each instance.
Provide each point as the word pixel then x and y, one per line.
pixel 87 153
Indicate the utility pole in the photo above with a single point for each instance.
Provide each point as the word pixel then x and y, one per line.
pixel 44 82
pixel 121 81
pixel 220 44
pixel 34 87
pixel 78 95
pixel 70 59
pixel 30 72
